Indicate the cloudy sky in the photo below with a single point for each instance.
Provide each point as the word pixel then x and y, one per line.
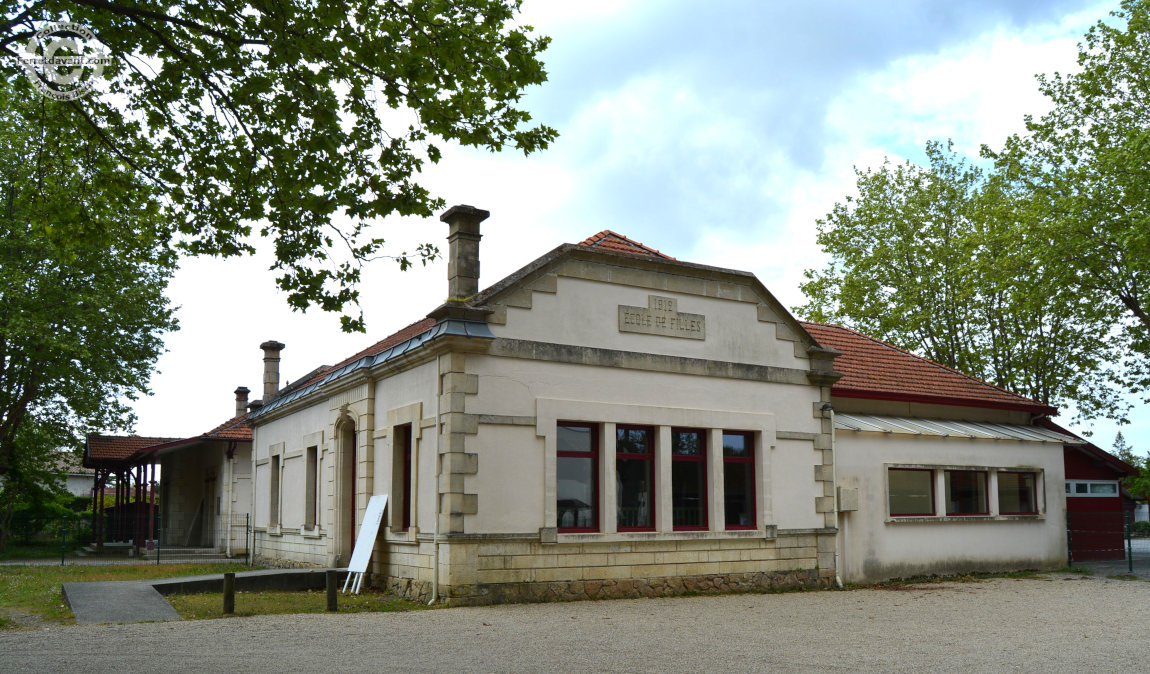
pixel 716 132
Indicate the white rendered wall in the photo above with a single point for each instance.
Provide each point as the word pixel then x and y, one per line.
pixel 878 547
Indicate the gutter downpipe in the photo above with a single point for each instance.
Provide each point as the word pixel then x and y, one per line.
pixel 438 500
pixel 835 486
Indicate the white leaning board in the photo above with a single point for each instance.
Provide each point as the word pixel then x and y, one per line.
pixel 365 541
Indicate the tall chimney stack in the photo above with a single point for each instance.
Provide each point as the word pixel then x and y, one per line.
pixel 241 400
pixel 463 254
pixel 272 350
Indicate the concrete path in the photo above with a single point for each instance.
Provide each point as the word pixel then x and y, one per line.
pixel 128 601
pixel 117 602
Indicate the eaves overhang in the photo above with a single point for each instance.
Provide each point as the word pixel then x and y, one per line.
pixel 447 328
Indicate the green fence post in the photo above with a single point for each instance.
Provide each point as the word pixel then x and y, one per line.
pixel 63 541
pixel 1129 543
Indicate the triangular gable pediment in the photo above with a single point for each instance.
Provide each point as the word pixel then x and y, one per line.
pixel 618 263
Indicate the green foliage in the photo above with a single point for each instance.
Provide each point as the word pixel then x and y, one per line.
pixel 1084 165
pixel 1138 485
pixel 270 117
pixel 1031 275
pixel 81 321
pixel 1141 529
pixel 928 258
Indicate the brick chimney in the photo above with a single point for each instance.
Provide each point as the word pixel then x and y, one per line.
pixel 463 255
pixel 241 400
pixel 272 350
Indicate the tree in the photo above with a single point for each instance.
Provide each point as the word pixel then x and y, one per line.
pixel 254 116
pixel 1085 165
pixel 80 326
pixel 929 259
pixel 1138 485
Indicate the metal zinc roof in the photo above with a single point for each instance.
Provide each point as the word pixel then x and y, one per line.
pixel 448 327
pixel 945 428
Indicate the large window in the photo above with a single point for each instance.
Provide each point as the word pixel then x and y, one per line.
pixel 739 479
pixel 1016 493
pixel 911 492
pixel 577 467
pixel 688 479
pixel 635 478
pixel 966 492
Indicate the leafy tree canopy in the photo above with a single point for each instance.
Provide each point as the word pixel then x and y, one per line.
pixel 267 117
pixel 1085 165
pixel 1032 273
pixel 80 326
pixel 929 259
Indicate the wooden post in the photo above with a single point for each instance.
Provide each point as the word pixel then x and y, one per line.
pixel 332 596
pixel 229 593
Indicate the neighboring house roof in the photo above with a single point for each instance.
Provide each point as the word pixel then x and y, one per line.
pixel 876 370
pixel 68 463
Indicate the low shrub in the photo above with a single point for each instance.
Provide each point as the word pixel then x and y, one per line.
pixel 1141 529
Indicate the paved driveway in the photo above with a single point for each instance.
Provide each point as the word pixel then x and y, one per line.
pixel 1062 623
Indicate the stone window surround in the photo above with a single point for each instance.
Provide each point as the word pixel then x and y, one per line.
pixel 315 440
pixel 411 414
pixel 550 411
pixel 938 474
pixel 275 488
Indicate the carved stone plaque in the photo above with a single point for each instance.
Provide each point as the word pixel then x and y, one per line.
pixel 661 317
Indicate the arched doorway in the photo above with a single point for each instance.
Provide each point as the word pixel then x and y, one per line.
pixel 345 507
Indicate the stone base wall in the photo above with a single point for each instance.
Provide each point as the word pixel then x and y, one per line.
pixel 646 587
pixel 291 548
pixel 407 588
pixel 490 570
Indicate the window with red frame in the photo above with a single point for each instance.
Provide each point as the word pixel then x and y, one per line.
pixel 739 479
pixel 1016 493
pixel 910 492
pixel 688 479
pixel 635 478
pixel 577 481
pixel 966 492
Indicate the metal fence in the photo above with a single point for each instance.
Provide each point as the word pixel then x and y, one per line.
pixel 40 539
pixel 1108 542
pixel 46 536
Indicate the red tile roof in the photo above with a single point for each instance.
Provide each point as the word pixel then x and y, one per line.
pixel 617 243
pixel 236 428
pixel 877 370
pixel 118 447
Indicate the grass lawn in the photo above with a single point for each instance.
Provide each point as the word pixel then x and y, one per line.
pixel 30 595
pixel 211 605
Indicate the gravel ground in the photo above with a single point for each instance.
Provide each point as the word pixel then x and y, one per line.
pixel 1057 623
